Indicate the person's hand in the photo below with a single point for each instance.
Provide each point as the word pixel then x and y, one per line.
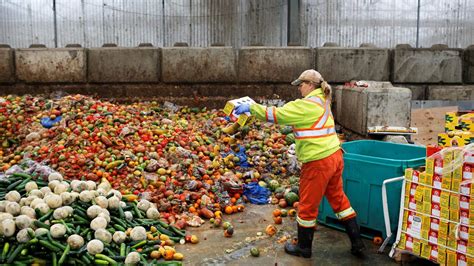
pixel 245 107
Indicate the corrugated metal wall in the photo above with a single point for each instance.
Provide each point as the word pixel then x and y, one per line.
pixel 92 23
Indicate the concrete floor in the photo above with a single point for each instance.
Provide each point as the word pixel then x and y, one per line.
pixel 330 247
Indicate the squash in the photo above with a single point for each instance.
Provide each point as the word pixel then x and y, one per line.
pixel 277 220
pixel 273 185
pixel 229 231
pixel 286 130
pixel 290 138
pixel 271 230
pixel 276 212
pixel 291 197
pixel 254 252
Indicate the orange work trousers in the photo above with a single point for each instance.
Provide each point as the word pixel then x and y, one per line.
pixel 322 178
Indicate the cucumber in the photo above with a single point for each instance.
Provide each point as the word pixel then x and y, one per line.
pixel 65 253
pixel 15 253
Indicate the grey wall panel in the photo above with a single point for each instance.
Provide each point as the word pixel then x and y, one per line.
pixel 384 23
pixel 201 23
pixel 447 22
pixel 25 22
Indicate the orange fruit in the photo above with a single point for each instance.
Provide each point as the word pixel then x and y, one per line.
pixel 228 210
pixel 276 212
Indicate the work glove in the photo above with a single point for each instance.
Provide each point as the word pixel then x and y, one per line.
pixel 245 107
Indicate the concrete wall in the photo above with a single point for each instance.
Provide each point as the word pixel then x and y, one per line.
pixel 469 64
pixel 432 74
pixel 266 64
pixel 51 65
pixel 7 70
pixel 109 65
pixel 427 65
pixel 199 65
pixel 345 64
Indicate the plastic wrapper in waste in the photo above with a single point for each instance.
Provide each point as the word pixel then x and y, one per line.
pixel 256 194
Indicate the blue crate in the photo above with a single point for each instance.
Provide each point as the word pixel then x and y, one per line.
pixel 367 163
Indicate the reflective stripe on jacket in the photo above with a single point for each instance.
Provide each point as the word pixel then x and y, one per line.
pixel 312 122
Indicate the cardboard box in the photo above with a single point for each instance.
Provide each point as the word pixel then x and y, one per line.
pixel 416 247
pixel 470 260
pixel 441 255
pixel 434 253
pixel 454 215
pixel 402 242
pixel 434 224
pixel 459 121
pixel 444 199
pixel 425 251
pixel 435 195
pixel 436 210
pixel 408 174
pixel 451 257
pixel 450 121
pixel 462 246
pixel 444 213
pixel 412 204
pixel 464 217
pixel 412 189
pixel 437 181
pixel 420 190
pixel 464 232
pixel 461 259
pixel 430 161
pixel 464 202
pixel 466 123
pixel 433 237
pixel 454 202
pixel 426 207
pixel 443 228
pixel 455 139
pixel 414 228
pixel 242 119
pixel 409 242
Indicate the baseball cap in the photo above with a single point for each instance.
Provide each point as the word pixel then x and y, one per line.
pixel 309 75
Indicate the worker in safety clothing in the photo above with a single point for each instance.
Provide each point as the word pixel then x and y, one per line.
pixel 319 150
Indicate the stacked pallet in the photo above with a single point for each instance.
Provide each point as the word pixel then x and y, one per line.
pixel 438 210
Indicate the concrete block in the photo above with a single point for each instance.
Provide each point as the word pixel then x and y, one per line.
pixel 418 92
pixel 451 93
pixel 117 64
pixel 468 63
pixel 35 65
pixel 271 64
pixel 427 65
pixel 344 64
pixel 198 65
pixel 7 70
pixel 359 108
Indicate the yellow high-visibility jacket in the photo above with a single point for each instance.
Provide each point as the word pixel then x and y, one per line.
pixel 312 122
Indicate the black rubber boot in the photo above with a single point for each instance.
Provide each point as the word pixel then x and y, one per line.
pixel 305 242
pixel 353 231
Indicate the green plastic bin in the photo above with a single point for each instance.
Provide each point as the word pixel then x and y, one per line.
pixel 367 163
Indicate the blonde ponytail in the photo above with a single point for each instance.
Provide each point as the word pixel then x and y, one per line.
pixel 327 90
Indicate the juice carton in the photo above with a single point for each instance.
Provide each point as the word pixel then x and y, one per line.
pixel 229 109
pixel 434 253
pixel 425 251
pixel 444 198
pixel 461 259
pixel 433 237
pixel 434 224
pixel 462 246
pixel 436 209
